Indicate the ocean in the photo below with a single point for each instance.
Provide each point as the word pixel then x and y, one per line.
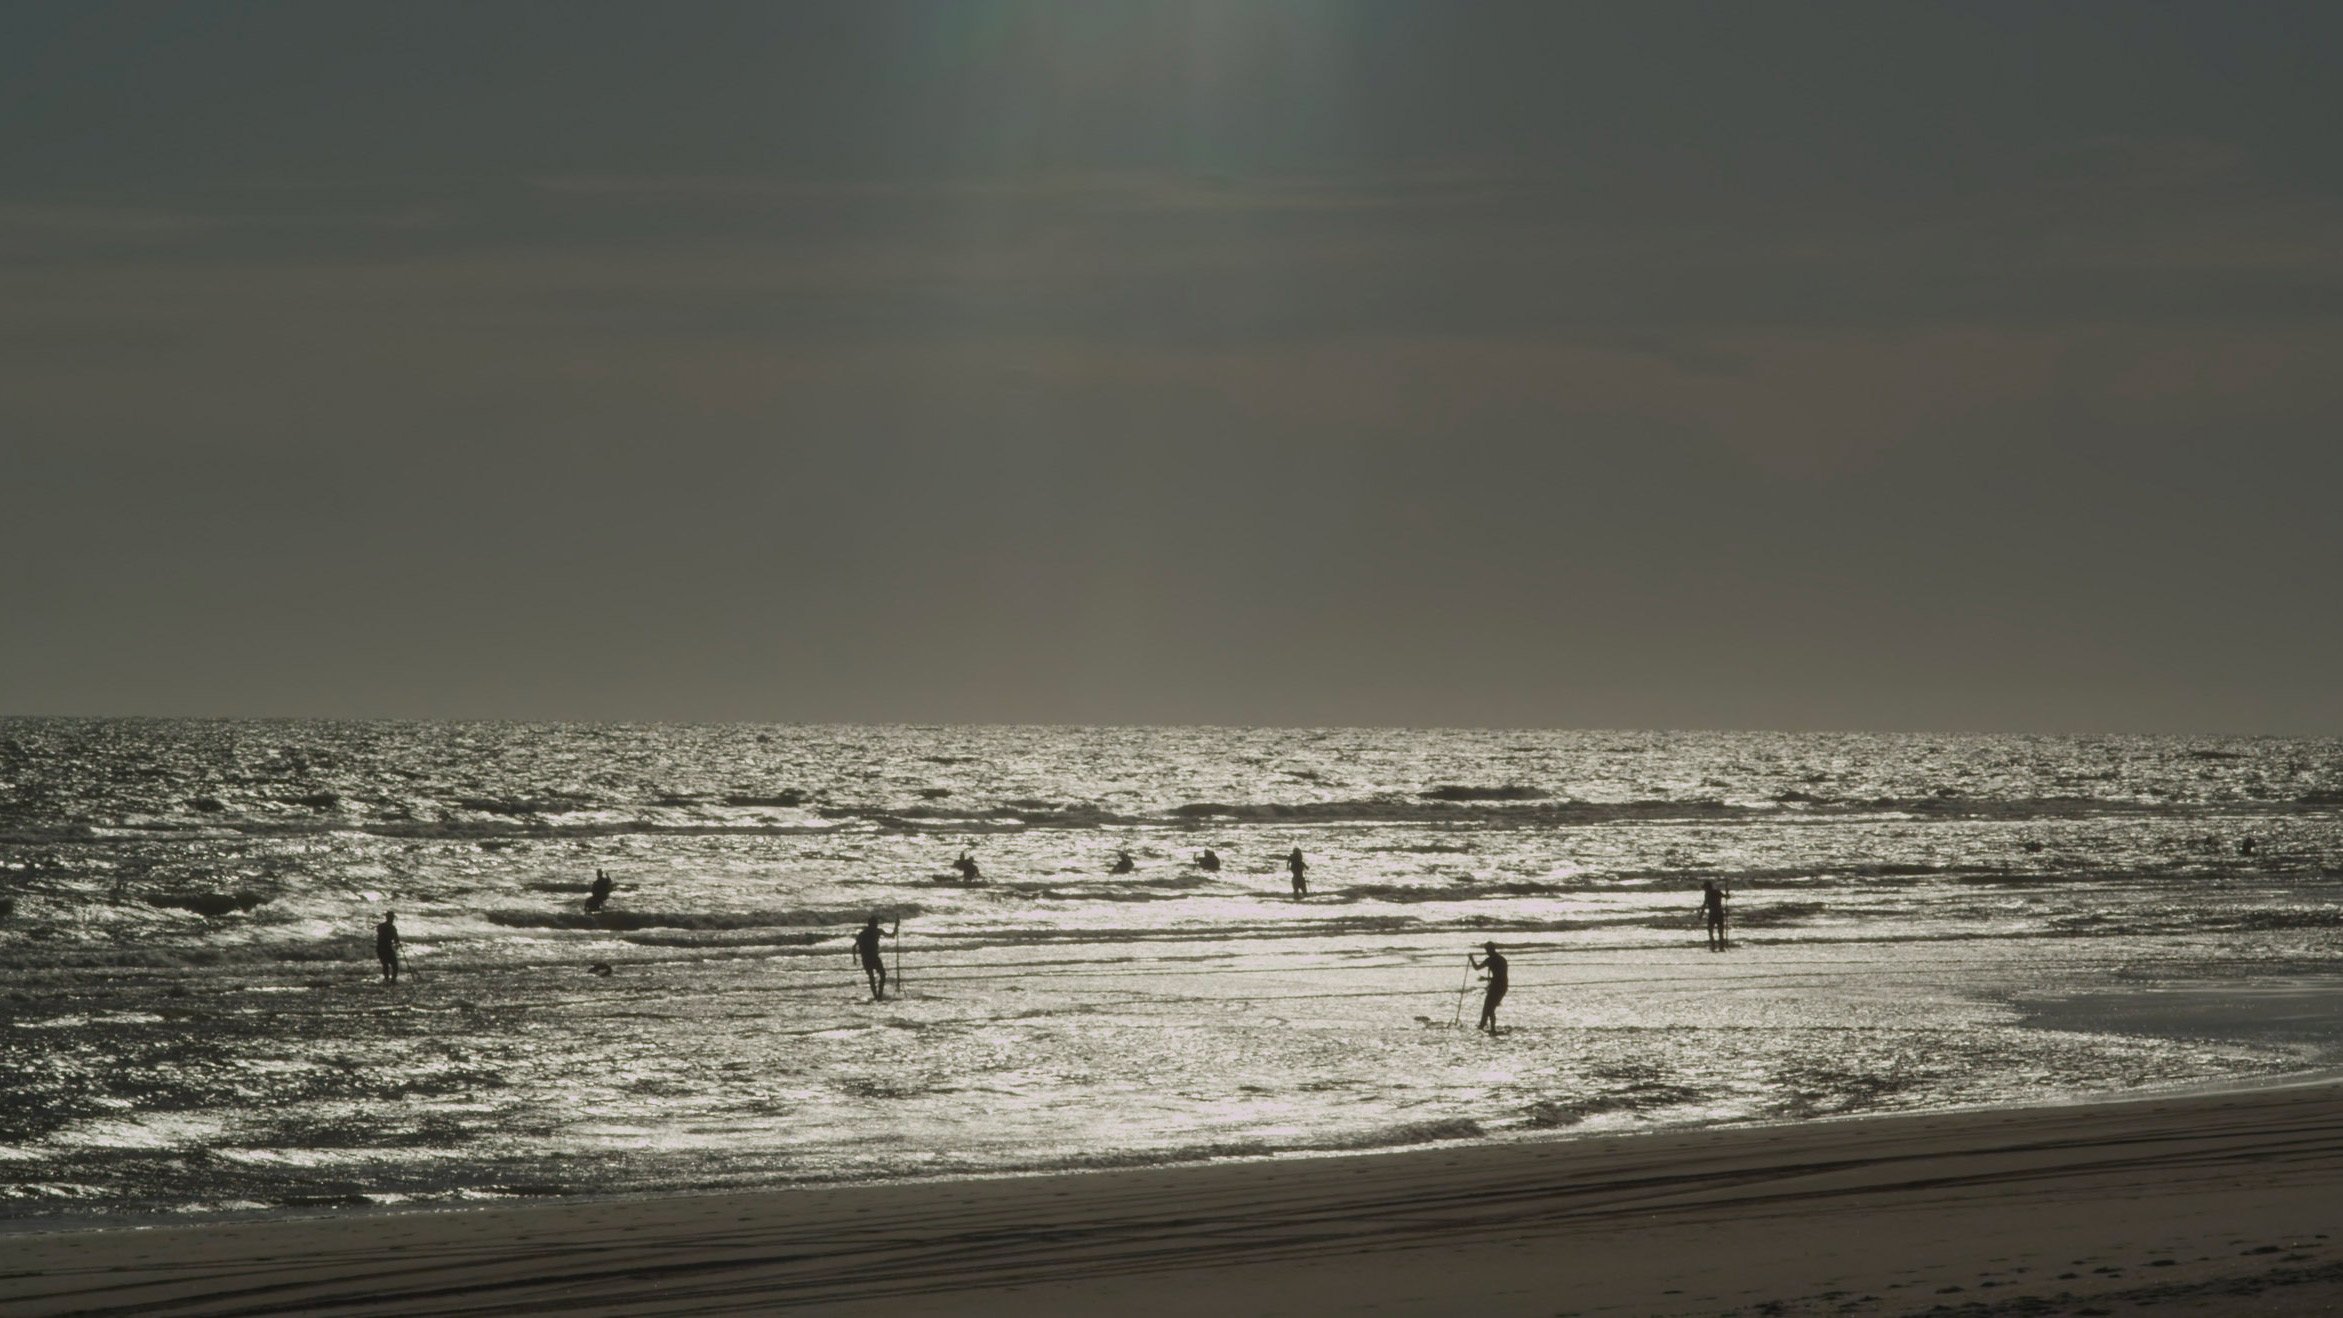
pixel 192 1020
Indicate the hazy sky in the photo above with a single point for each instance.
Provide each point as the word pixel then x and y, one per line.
pixel 1960 366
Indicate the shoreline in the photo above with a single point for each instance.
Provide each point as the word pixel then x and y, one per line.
pixel 2211 1195
pixel 2326 1072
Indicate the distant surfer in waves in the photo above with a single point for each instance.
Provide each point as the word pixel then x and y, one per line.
pixel 600 893
pixel 968 871
pixel 1208 862
pixel 1494 963
pixel 866 949
pixel 1123 863
pixel 1712 911
pixel 1299 867
pixel 2246 848
pixel 386 946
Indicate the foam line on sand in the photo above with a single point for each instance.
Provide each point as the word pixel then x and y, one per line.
pixel 2221 1203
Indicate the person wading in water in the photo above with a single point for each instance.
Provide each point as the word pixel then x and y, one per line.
pixel 1299 867
pixel 1712 910
pixel 866 949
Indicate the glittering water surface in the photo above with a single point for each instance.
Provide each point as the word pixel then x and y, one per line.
pixel 190 1016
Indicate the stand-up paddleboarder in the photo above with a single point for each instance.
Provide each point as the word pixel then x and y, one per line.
pixel 386 946
pixel 866 950
pixel 1494 964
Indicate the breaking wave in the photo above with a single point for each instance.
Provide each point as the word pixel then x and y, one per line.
pixel 624 920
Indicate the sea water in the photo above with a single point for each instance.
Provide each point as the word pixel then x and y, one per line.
pixel 191 1018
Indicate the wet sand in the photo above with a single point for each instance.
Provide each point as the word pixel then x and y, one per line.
pixel 2225 1203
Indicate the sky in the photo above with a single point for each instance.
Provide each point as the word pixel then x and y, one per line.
pixel 1933 367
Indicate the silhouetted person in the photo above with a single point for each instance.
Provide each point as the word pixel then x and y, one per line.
pixel 1123 863
pixel 1712 911
pixel 601 892
pixel 967 867
pixel 386 946
pixel 1494 963
pixel 599 968
pixel 2246 848
pixel 866 948
pixel 1208 862
pixel 1299 867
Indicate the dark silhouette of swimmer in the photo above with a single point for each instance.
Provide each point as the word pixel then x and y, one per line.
pixel 601 892
pixel 1208 862
pixel 866 949
pixel 2246 848
pixel 1494 963
pixel 1123 863
pixel 599 968
pixel 386 946
pixel 1299 867
pixel 967 867
pixel 1712 911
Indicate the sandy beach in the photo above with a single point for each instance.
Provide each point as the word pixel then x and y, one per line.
pixel 2221 1203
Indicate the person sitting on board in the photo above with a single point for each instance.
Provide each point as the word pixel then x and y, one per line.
pixel 1494 963
pixel 967 867
pixel 600 893
pixel 386 946
pixel 1208 862
pixel 866 949
pixel 1123 863
pixel 1712 910
pixel 1299 867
